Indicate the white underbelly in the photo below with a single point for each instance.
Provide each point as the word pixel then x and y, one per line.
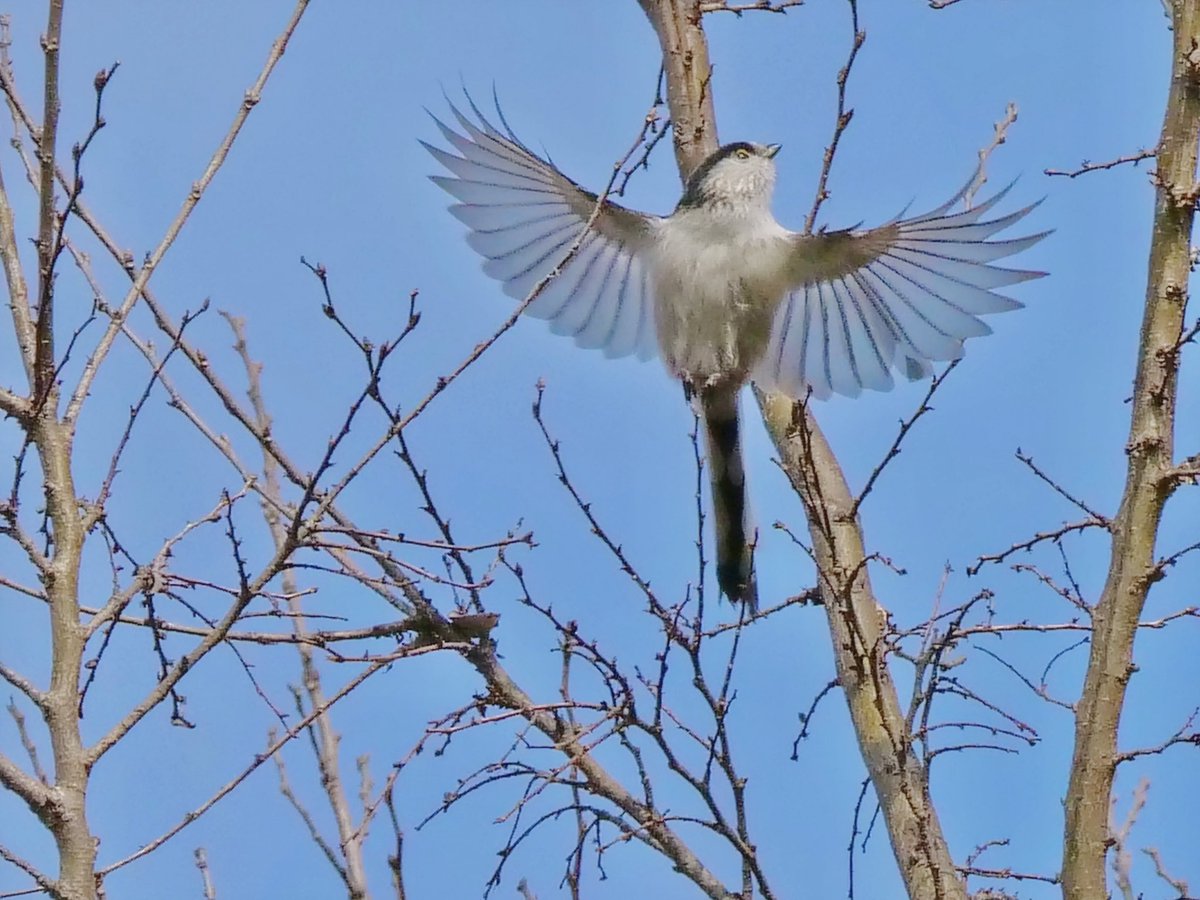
pixel 714 304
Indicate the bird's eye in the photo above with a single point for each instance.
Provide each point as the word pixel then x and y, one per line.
pixel 742 153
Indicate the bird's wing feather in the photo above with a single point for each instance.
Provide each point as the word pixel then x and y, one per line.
pixel 900 296
pixel 525 216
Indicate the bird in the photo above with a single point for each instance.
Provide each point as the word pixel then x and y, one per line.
pixel 723 293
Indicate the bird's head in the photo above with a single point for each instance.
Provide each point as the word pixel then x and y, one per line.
pixel 741 174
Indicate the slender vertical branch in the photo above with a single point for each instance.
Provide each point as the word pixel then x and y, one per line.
pixel 47 218
pixel 857 628
pixel 14 274
pixel 855 622
pixel 841 122
pixel 140 278
pixel 53 443
pixel 689 94
pixel 325 739
pixel 1148 481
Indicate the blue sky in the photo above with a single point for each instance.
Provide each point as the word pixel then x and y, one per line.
pixel 329 167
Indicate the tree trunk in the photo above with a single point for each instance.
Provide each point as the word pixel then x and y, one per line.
pixel 1149 478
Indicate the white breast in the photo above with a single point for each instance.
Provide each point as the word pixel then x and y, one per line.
pixel 718 280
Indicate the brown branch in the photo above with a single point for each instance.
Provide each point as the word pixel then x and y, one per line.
pixel 1060 490
pixel 292 733
pixel 39 797
pixel 24 685
pixel 1087 166
pixel 807 717
pixel 1189 612
pixel 1007 874
pixel 1184 734
pixel 44 882
pixel 47 144
pixel 26 739
pixel 1150 461
pixel 210 890
pixel 999 136
pixel 214 636
pixel 659 129
pixel 905 427
pixel 314 833
pixel 857 630
pixel 1055 535
pixel 141 278
pixel 1160 870
pixel 841 121
pixel 399 423
pixel 657 830
pixel 321 638
pixel 851 608
pixel 1122 862
pixel 152 577
pixel 689 79
pixel 584 507
pixel 1039 689
pixel 771 6
pixel 14 274
pixel 395 860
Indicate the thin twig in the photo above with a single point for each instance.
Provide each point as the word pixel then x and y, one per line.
pixel 905 427
pixel 26 739
pixel 842 121
pixel 771 6
pixel 142 277
pixel 1087 166
pixel 210 890
pixel 999 135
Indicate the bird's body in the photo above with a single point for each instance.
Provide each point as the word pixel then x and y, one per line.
pixel 725 294
pixel 717 286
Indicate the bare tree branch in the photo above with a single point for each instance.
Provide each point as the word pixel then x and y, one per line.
pixel 44 882
pixel 772 6
pixel 1177 884
pixel 18 288
pixel 31 749
pixel 1087 166
pixel 999 136
pixel 210 890
pixel 47 145
pixel 142 277
pixel 841 121
pixel 1150 461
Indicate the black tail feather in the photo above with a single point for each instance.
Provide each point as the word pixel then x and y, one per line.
pixel 735 543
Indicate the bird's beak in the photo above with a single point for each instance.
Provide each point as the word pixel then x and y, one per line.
pixel 772 149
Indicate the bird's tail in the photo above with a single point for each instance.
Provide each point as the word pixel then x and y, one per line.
pixel 735 541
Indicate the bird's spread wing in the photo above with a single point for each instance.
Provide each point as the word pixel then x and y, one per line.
pixel 525 216
pixel 898 296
